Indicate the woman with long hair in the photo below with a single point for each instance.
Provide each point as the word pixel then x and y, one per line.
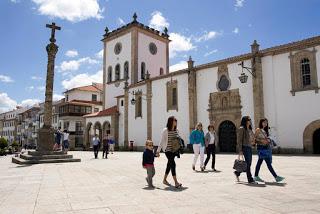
pixel 210 140
pixel 198 144
pixel 245 140
pixel 169 135
pixel 264 151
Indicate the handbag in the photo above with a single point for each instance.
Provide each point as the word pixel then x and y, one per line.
pixel 176 144
pixel 240 165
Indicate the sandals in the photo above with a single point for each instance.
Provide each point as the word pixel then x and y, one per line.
pixel 178 186
pixel 166 183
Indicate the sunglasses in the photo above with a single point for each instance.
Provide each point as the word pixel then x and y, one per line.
pixel 150 145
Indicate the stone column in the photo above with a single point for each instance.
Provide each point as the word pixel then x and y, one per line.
pixel 257 83
pixel 46 134
pixel 126 109
pixel 149 109
pixel 192 92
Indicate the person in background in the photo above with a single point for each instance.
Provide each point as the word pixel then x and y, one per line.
pixel 111 144
pixel 96 145
pixel 57 145
pixel 210 140
pixel 65 140
pixel 105 147
pixel 197 141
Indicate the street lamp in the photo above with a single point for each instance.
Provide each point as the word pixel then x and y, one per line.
pixel 243 77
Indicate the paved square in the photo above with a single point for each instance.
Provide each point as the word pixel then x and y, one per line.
pixel 117 185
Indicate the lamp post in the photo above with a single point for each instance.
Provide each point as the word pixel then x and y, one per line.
pixel 243 77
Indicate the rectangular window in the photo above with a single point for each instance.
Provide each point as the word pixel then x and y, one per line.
pixel 121 102
pixel 66 125
pixel 77 109
pixel 94 97
pixel 96 109
pixel 138 105
pixel 88 110
pixel 172 95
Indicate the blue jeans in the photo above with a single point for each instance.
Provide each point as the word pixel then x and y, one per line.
pixel 269 165
pixel 247 153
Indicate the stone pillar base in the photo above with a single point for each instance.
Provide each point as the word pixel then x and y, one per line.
pixel 45 139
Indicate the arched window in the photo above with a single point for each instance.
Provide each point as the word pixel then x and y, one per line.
pixel 126 70
pixel 161 71
pixel 117 70
pixel 143 70
pixel 109 74
pixel 305 72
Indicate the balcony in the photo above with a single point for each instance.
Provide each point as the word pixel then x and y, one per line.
pixel 74 110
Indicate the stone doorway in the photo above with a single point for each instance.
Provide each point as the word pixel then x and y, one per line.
pixel 227 136
pixel 316 142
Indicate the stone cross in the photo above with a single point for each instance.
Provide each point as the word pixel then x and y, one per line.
pixel 53 29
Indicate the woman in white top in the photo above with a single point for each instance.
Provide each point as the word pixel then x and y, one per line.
pixel 167 137
pixel 65 140
pixel 210 140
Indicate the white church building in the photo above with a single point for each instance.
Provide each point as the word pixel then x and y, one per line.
pixel 280 83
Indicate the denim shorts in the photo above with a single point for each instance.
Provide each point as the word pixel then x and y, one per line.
pixel 66 144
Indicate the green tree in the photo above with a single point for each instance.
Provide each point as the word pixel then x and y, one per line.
pixel 3 143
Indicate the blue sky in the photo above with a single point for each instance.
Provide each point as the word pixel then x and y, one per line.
pixel 208 30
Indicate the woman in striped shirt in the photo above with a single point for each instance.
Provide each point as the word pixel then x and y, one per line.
pixel 169 134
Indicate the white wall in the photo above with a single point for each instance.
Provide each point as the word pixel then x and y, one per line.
pixel 289 115
pixel 153 62
pixel 137 127
pixel 112 60
pixel 159 107
pixel 82 95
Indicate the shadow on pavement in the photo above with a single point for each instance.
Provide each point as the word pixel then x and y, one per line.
pixel 252 185
pixel 276 184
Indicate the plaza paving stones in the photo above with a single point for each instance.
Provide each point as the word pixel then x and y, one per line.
pixel 117 185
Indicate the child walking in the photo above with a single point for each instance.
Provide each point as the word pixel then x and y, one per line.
pixel 147 162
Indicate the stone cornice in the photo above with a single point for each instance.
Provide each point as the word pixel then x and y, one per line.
pixel 142 28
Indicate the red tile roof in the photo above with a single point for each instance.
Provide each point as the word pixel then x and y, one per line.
pixel 95 87
pixel 107 112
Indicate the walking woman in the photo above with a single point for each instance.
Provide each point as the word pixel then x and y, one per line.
pixel 210 140
pixel 245 140
pixel 169 134
pixel 264 151
pixel 198 144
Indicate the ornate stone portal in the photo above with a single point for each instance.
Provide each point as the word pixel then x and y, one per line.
pixel 225 106
pixel 44 153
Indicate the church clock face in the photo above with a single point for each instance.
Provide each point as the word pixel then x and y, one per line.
pixel 117 48
pixel 153 48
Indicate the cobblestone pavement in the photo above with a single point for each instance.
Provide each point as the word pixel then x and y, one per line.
pixel 117 185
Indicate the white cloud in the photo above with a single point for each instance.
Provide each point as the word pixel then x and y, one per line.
pixel 4 78
pixel 178 66
pixel 71 53
pixel 57 97
pixel 238 4
pixel 36 78
pixel 100 54
pixel 120 21
pixel 82 80
pixel 236 30
pixel 15 1
pixel 179 43
pixel 29 102
pixel 158 21
pixel 74 65
pixel 207 35
pixel 74 11
pixel 210 52
pixel 6 103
